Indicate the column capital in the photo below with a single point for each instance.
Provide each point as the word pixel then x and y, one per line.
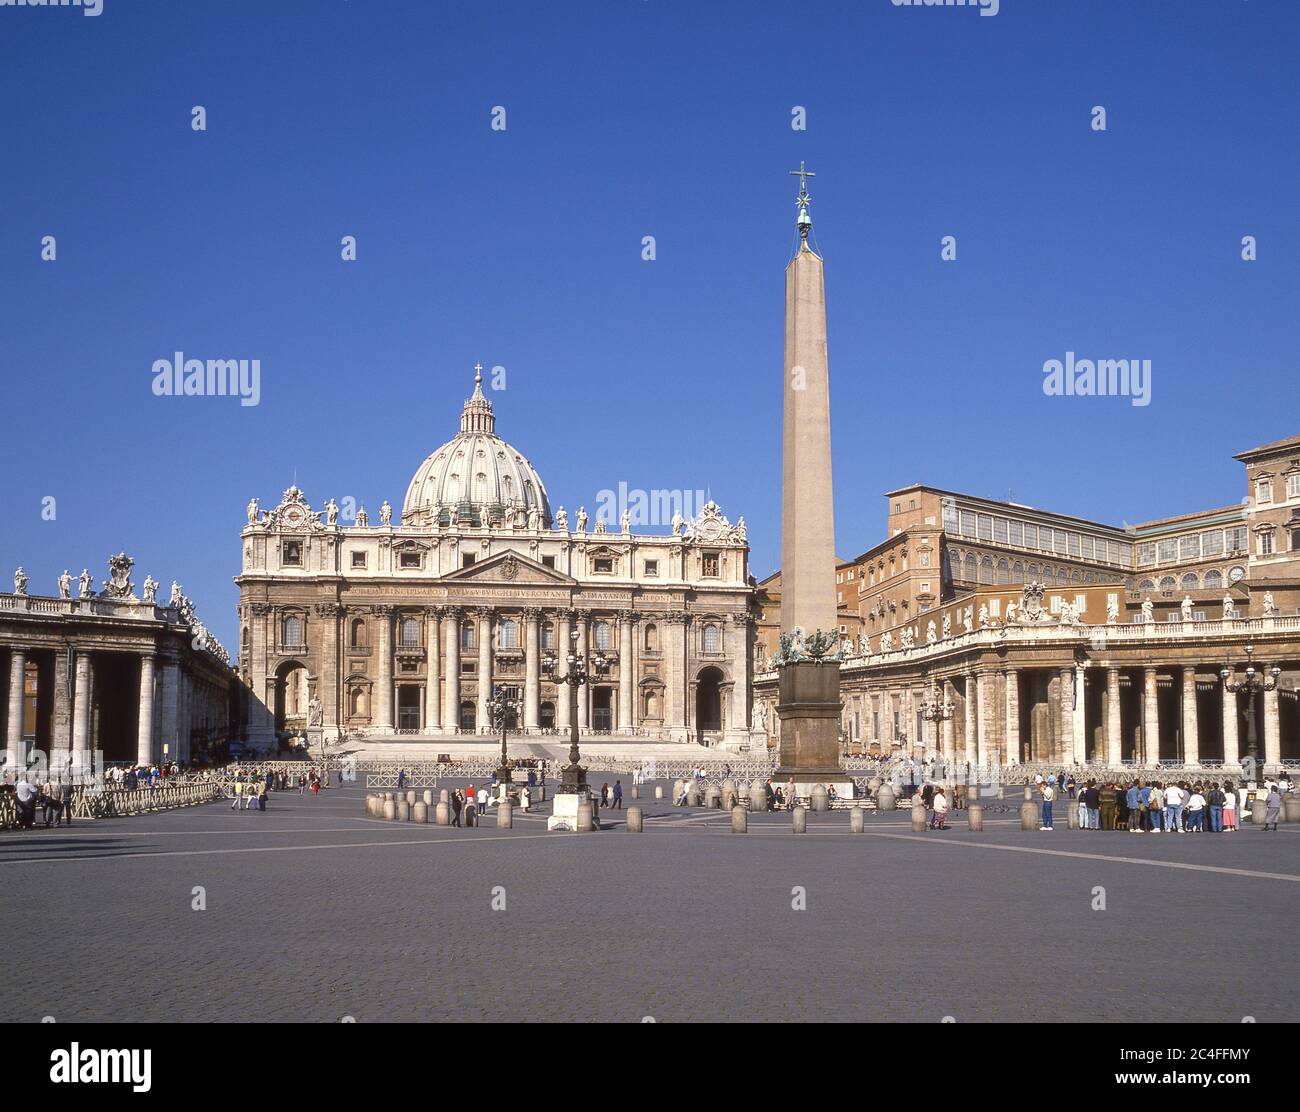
pixel 382 611
pixel 533 613
pixel 329 610
pixel 434 612
pixel 483 613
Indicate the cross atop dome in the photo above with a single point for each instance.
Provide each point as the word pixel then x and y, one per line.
pixel 477 414
pixel 804 223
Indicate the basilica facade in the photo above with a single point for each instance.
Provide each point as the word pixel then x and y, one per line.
pixel 407 625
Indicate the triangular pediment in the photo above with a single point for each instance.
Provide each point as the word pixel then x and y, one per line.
pixel 509 569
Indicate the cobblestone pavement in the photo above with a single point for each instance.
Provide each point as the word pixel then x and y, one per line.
pixel 315 912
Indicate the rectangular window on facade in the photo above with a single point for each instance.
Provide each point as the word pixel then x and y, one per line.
pixel 1266 544
pixel 1264 490
pixel 1234 539
pixel 1000 530
pixel 1114 553
pixel 411 560
pixel 710 564
pixel 1089 548
pixel 1126 554
pixel 950 519
pixel 1167 551
pixel 1293 486
pixel 985 523
pixel 291 554
pixel 1074 544
pixel 468 667
pixel 548 561
pixel 1189 547
pixel 603 565
pixel 466 559
pixel 651 568
pixel 1062 541
pixel 358 559
pixel 1147 552
pixel 1031 536
pixel 967 523
pixel 1017 533
pixel 1212 542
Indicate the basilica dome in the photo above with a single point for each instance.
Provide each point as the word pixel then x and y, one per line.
pixel 476 477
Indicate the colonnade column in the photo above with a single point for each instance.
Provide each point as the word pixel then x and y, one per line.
pixel 81 696
pixel 949 724
pixel 483 720
pixel 1231 748
pixel 563 645
pixel 169 715
pixel 982 723
pixel 1191 739
pixel 741 692
pixel 383 709
pixel 451 674
pixel 532 669
pixel 432 661
pixel 1150 718
pixel 1013 716
pixel 14 730
pixel 972 756
pixel 1079 689
pixel 1064 749
pixel 1114 720
pixel 626 673
pixel 1272 733
pixel 584 692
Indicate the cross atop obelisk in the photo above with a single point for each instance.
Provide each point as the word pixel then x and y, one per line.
pixel 804 222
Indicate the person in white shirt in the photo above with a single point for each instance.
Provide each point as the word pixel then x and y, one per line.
pixel 1174 808
pixel 26 793
pixel 1196 811
pixel 1229 809
pixel 940 803
pixel 1049 795
pixel 1156 804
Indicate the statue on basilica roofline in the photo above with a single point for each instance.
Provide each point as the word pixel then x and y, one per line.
pixel 678 523
pixel 561 520
pixel 600 525
pixel 1112 611
pixel 177 596
pixel 1270 610
pixel 1227 606
pixel 864 645
pixel 85 585
pixel 65 585
pixel 20 581
pixel 1148 611
pixel 1012 607
pixel 947 625
pixel 625 521
pixel 581 521
pixel 385 513
pixel 535 519
pixel 331 512
pixel 252 511
pixel 150 590
pixel 1187 608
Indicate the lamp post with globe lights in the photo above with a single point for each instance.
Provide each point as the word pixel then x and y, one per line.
pixel 1256 680
pixel 503 703
pixel 573 777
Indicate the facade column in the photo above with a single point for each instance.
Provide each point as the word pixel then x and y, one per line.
pixel 626 672
pixel 972 753
pixel 383 709
pixel 584 692
pixel 1079 690
pixel 532 669
pixel 14 730
pixel 482 719
pixel 1191 738
pixel 1231 746
pixel 61 720
pixel 741 693
pixel 1065 715
pixel 1013 716
pixel 451 674
pixel 563 644
pixel 81 742
pixel 1114 720
pixel 983 725
pixel 1150 718
pixel 950 724
pixel 1272 733
pixel 432 668
pixel 330 677
pixel 169 715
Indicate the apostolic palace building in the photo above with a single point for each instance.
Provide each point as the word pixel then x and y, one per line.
pixel 987 631
pixel 407 624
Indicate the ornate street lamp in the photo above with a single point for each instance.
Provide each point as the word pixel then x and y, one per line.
pixel 1256 680
pixel 504 701
pixel 573 777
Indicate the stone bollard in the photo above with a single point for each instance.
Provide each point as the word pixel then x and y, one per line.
pixel 442 813
pixel 659 791
pixel 1072 805
pixel 420 813
pixel 758 796
pixel 1258 809
pixel 410 797
pixel 444 797
pixel 713 797
pixel 584 816
pixel 728 788
pixel 390 809
pixel 1030 819
pixel 505 816
pixel 403 811
pixel 1291 807
pixel 634 822
pixel 693 795
pixel 636 792
pixel 428 797
pixel 918 815
pixel 856 820
pixel 799 818
pixel 975 816
pixel 819 798
pixel 886 800
pixel 729 800
pixel 679 786
pixel 1029 792
pixel 373 805
pixel 739 820
pixel 873 785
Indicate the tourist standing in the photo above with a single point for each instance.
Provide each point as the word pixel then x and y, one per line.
pixel 26 793
pixel 1049 796
pixel 237 790
pixel 1155 807
pixel 1108 800
pixel 525 798
pixel 1272 807
pixel 1214 804
pixel 1133 797
pixel 1229 807
pixel 1195 811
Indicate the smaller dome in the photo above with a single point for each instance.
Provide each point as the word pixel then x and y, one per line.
pixel 476 477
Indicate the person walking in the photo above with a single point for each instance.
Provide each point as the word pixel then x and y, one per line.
pixel 940 801
pixel 1133 797
pixel 1272 807
pixel 456 805
pixel 618 795
pixel 237 791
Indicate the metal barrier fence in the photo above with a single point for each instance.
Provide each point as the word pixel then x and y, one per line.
pixel 113 802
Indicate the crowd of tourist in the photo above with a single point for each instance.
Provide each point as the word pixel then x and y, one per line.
pixel 1156 807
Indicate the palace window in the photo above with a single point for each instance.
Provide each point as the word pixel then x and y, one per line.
pixel 1017 572
pixel 466 635
pixel 967 523
pixel 970 569
pixel 651 568
pixel 548 561
pixel 509 631
pixel 358 560
pixel 1266 544
pixel 1213 580
pixel 711 564
pixel 467 559
pixel 1168 583
pixel 1264 490
pixel 548 636
pixel 986 570
pixel 711 638
pixel 1000 530
pixel 1089 548
pixel 985 524
pixel 1167 551
pixel 1293 486
pixel 1189 547
pixel 410 633
pixel 600 633
pixel 1147 585
pixel 1234 539
pixel 1295 540
pixel 1004 571
pixel 1147 552
pixel 1073 541
pixel 1031 536
pixel 603 565
pixel 291 630
pixel 1191 581
pixel 412 560
pixel 291 554
pixel 358 636
pixel 1212 542
pixel 1125 553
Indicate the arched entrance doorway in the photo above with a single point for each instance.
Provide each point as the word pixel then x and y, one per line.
pixel 291 696
pixel 708 702
pixel 602 709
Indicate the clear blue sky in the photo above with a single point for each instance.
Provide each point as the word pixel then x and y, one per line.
pixel 522 248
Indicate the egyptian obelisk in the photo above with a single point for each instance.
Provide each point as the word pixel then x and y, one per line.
pixel 809 701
